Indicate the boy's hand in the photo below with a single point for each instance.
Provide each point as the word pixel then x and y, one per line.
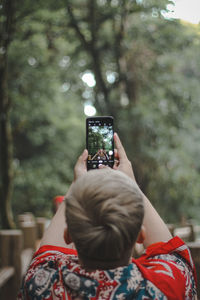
pixel 81 165
pixel 122 162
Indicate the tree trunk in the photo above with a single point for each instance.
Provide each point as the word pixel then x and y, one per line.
pixel 6 156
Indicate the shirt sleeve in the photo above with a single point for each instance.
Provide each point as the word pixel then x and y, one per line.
pixel 171 259
pixel 175 246
pixel 44 274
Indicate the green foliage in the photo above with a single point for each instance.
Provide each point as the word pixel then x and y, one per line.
pixel 47 116
pixel 147 76
pixel 146 82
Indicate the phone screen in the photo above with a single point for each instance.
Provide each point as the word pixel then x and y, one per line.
pixel 100 142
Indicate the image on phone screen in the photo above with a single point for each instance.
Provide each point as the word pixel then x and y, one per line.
pixel 100 143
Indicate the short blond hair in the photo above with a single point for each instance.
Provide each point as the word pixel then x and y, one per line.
pixel 104 214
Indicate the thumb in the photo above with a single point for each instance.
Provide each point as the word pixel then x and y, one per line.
pixel 120 149
pixel 80 166
pixel 84 155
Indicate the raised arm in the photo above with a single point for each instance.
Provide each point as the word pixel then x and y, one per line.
pixel 54 235
pixel 156 229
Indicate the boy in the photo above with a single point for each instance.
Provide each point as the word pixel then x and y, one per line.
pixel 86 251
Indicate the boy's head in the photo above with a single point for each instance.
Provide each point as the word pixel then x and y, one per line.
pixel 104 214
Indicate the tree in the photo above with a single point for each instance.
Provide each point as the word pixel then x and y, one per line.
pixel 12 13
pixel 16 88
pixel 134 54
pixel 145 71
pixel 46 115
pixel 6 172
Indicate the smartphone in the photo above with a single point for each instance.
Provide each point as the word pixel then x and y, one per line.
pixel 99 142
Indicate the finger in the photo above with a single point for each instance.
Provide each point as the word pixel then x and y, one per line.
pixel 81 165
pixel 85 155
pixel 82 158
pixel 120 148
pixel 116 164
pixel 116 155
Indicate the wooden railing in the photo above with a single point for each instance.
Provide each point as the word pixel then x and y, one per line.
pixel 10 263
pixel 16 250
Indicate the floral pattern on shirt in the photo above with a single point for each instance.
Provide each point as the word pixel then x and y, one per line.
pixel 56 274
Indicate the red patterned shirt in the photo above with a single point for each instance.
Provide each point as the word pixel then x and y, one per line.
pixel 164 271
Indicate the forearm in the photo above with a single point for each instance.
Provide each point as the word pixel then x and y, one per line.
pixel 54 235
pixel 156 229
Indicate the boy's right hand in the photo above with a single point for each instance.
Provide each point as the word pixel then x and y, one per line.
pixel 122 162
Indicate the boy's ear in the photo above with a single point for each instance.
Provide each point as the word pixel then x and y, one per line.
pixel 141 235
pixel 67 236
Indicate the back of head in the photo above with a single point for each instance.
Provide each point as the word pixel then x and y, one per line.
pixel 104 215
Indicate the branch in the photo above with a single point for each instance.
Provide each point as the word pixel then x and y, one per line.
pixel 92 49
pixel 92 20
pixel 73 24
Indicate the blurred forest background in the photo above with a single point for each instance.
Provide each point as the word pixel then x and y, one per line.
pixel 146 74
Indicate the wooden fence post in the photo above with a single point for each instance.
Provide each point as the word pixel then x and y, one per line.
pixel 10 255
pixel 28 226
pixel 30 234
pixel 25 217
pixel 192 233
